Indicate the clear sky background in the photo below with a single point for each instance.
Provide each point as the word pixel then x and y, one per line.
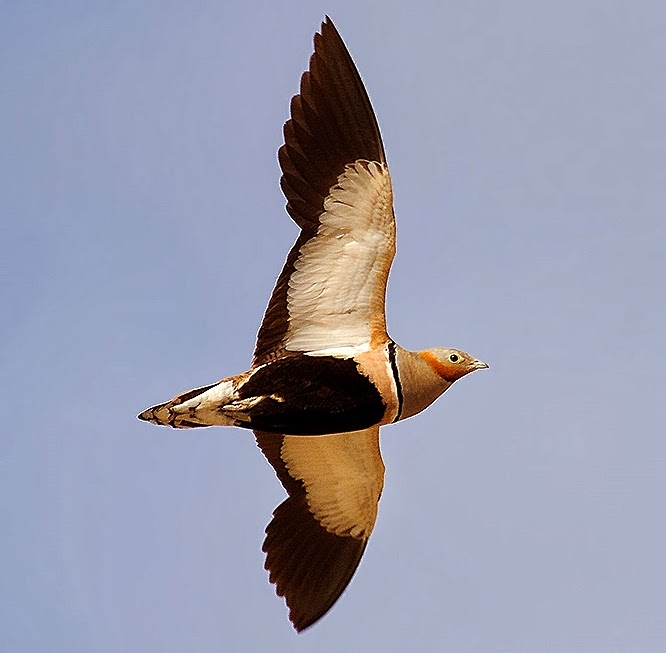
pixel 143 229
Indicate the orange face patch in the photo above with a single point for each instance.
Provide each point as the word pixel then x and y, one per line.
pixel 446 369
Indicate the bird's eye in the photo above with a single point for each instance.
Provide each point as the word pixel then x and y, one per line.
pixel 454 358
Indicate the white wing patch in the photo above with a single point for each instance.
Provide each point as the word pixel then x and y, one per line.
pixel 336 292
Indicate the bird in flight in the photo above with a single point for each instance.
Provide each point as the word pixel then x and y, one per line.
pixel 325 374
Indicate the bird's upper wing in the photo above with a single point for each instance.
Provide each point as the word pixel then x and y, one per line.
pixel 317 536
pixel 331 291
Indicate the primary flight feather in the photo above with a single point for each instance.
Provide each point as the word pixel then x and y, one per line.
pixel 325 374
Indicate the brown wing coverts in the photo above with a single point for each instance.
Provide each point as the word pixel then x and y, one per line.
pixel 309 566
pixel 332 124
pixel 274 326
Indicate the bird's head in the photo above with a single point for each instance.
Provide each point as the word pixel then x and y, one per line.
pixel 451 364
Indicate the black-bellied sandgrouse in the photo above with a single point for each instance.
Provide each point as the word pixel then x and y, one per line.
pixel 325 374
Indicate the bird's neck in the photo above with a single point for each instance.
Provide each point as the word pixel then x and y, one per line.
pixel 419 383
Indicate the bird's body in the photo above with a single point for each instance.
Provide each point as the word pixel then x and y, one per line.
pixel 325 374
pixel 319 393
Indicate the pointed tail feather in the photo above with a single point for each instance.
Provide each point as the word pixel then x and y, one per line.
pixel 192 409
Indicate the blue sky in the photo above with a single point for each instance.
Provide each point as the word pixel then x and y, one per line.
pixel 143 229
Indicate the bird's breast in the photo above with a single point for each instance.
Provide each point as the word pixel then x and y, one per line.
pixel 379 366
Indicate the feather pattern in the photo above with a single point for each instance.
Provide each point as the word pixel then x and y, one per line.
pixel 317 536
pixel 338 191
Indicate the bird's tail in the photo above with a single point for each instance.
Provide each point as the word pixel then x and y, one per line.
pixel 194 408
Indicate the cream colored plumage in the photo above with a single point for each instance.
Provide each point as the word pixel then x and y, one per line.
pixel 325 374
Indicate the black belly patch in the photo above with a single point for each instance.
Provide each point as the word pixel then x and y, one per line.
pixel 312 395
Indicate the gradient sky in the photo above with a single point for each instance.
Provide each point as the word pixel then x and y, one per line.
pixel 143 228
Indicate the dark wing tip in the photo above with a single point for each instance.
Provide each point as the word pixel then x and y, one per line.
pixel 309 566
pixel 332 124
pixel 328 24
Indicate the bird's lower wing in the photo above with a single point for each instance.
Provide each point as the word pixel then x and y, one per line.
pixel 317 536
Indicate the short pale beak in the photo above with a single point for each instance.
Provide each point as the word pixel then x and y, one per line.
pixel 479 365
